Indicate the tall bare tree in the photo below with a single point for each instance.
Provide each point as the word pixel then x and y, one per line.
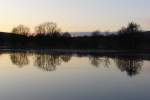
pixel 21 30
pixel 48 28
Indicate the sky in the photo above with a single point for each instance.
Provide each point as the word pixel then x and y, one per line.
pixel 75 15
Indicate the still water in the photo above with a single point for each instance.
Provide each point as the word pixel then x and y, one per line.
pixel 33 76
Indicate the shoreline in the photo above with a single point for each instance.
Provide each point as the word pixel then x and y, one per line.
pixel 96 51
pixel 82 53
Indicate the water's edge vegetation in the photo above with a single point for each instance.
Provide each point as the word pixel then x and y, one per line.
pixel 48 36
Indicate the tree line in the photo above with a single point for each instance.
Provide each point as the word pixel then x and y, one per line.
pixel 45 29
pixel 49 36
pixel 51 29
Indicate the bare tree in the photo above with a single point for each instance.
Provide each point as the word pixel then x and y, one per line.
pixel 21 30
pixel 48 28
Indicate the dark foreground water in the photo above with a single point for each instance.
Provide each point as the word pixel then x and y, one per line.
pixel 30 76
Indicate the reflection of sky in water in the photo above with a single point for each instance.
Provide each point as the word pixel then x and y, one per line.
pixel 76 80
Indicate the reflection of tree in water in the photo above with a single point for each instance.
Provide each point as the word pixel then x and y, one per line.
pixel 19 59
pixel 66 58
pixel 97 61
pixel 49 62
pixel 44 61
pixel 131 66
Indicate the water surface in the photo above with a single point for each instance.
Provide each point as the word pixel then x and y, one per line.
pixel 39 76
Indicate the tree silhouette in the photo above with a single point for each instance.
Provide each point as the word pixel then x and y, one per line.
pixel 123 30
pixel 133 28
pixel 19 59
pixel 21 30
pixel 130 29
pixel 48 28
pixel 130 36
